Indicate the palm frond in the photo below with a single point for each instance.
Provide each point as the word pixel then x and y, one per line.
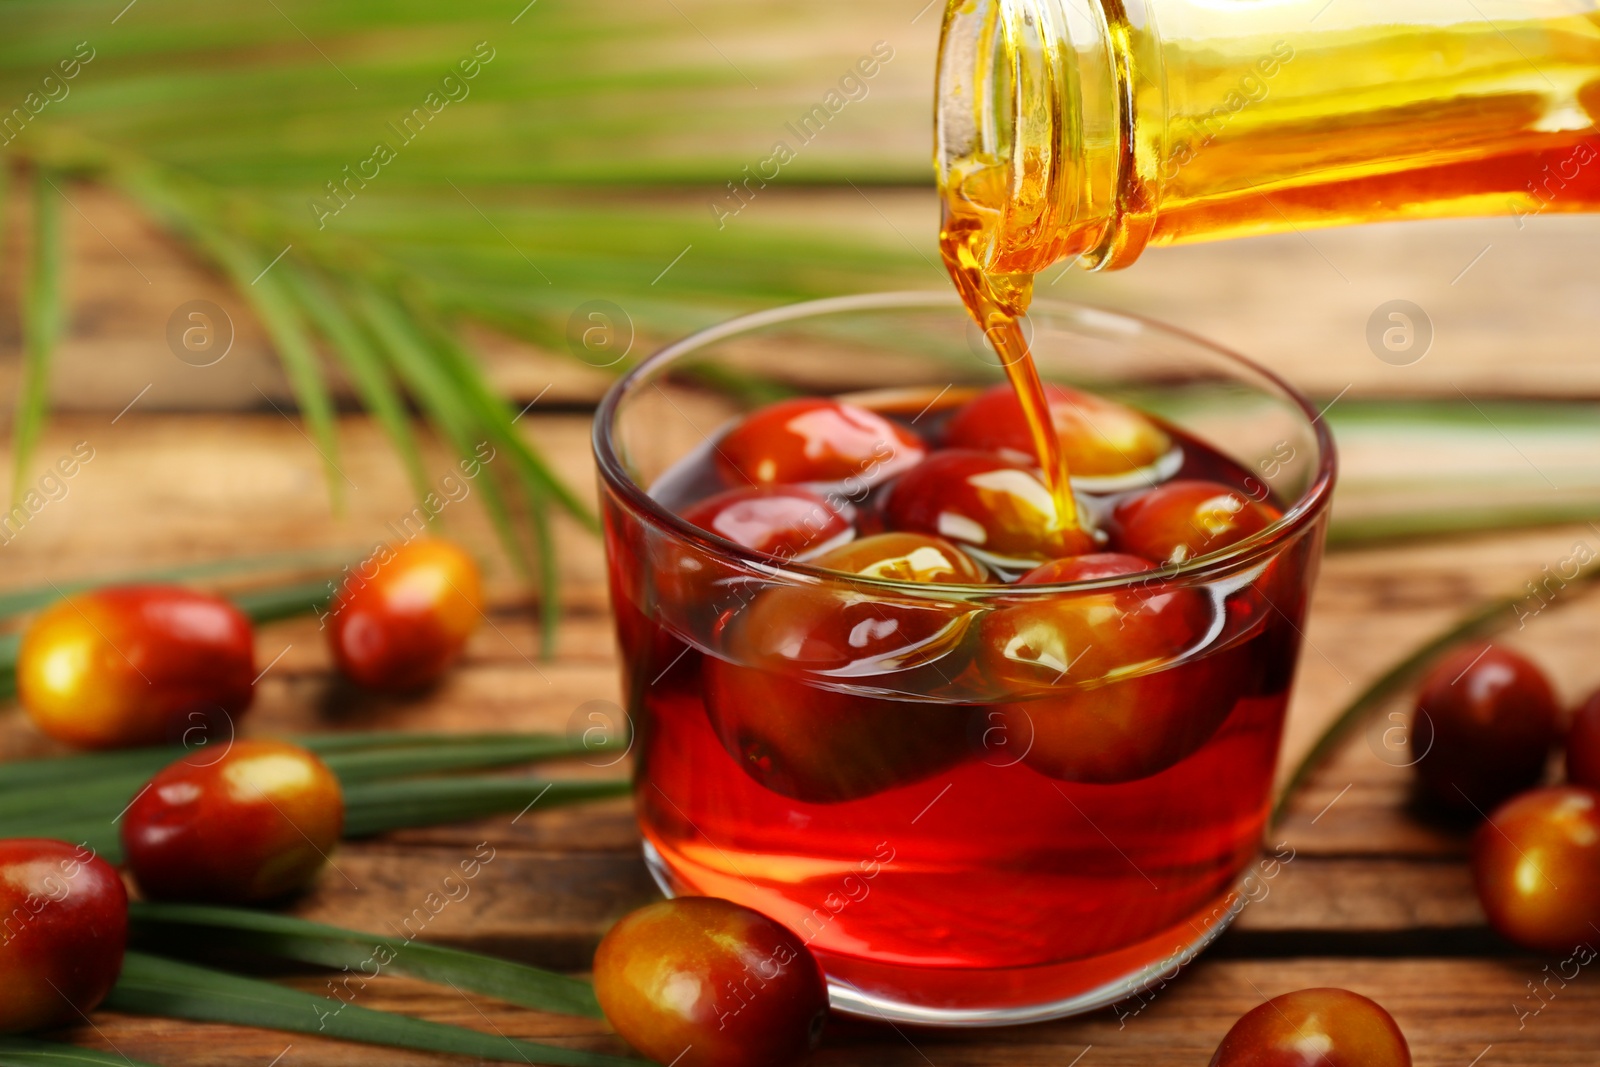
pixel 379 807
pixel 153 985
pixel 19 601
pixel 41 327
pixel 386 786
pixel 372 379
pixel 412 364
pixel 1473 465
pixel 32 1052
pixel 242 130
pixel 284 320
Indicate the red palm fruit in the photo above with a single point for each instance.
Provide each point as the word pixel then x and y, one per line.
pixel 404 616
pixel 1069 638
pixel 1315 1028
pixel 1131 729
pixel 1583 744
pixel 823 746
pixel 803 741
pixel 783 521
pixel 251 825
pixel 986 503
pixel 989 504
pixel 1099 437
pixel 813 439
pixel 1486 720
pixel 1182 520
pixel 836 627
pixel 1536 863
pixel 63 931
pixel 701 982
pixel 137 665
pixel 1121 730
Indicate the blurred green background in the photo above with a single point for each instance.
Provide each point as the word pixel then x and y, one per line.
pixel 580 160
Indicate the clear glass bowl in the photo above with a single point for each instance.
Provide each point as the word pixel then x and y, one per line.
pixel 958 847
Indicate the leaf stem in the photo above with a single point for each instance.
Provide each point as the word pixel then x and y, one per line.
pixel 41 327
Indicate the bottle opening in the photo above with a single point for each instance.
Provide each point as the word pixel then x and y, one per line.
pixel 1031 127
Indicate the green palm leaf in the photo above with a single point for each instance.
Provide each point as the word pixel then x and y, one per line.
pixel 152 985
pixel 41 327
pixel 386 778
pixel 413 364
pixel 228 121
pixel 400 747
pixel 372 379
pixel 378 807
pixel 18 601
pixel 285 323
pixel 31 1052
pixel 262 933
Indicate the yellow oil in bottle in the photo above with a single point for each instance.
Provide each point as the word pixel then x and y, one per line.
pixel 1078 129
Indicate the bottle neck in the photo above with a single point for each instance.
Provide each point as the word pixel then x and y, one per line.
pixel 1036 126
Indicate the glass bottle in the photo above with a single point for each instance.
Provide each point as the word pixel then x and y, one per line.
pixel 1093 128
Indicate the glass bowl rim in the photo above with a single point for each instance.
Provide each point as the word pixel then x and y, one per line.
pixel 1306 509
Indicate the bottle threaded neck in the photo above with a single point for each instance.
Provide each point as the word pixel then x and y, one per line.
pixel 1033 125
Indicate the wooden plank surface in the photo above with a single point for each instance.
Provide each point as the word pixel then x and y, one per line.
pixel 1452 1011
pixel 1377 899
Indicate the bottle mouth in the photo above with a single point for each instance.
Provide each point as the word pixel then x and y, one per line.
pixel 1033 128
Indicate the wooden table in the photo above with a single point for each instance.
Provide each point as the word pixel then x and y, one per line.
pixel 1376 899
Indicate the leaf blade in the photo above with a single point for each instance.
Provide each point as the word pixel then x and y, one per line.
pixel 507 750
pixel 447 410
pixel 41 327
pixel 31 1052
pixel 285 937
pixel 492 410
pixel 19 601
pixel 286 326
pixel 412 753
pixel 365 367
pixel 153 985
pixel 81 798
pixel 383 806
